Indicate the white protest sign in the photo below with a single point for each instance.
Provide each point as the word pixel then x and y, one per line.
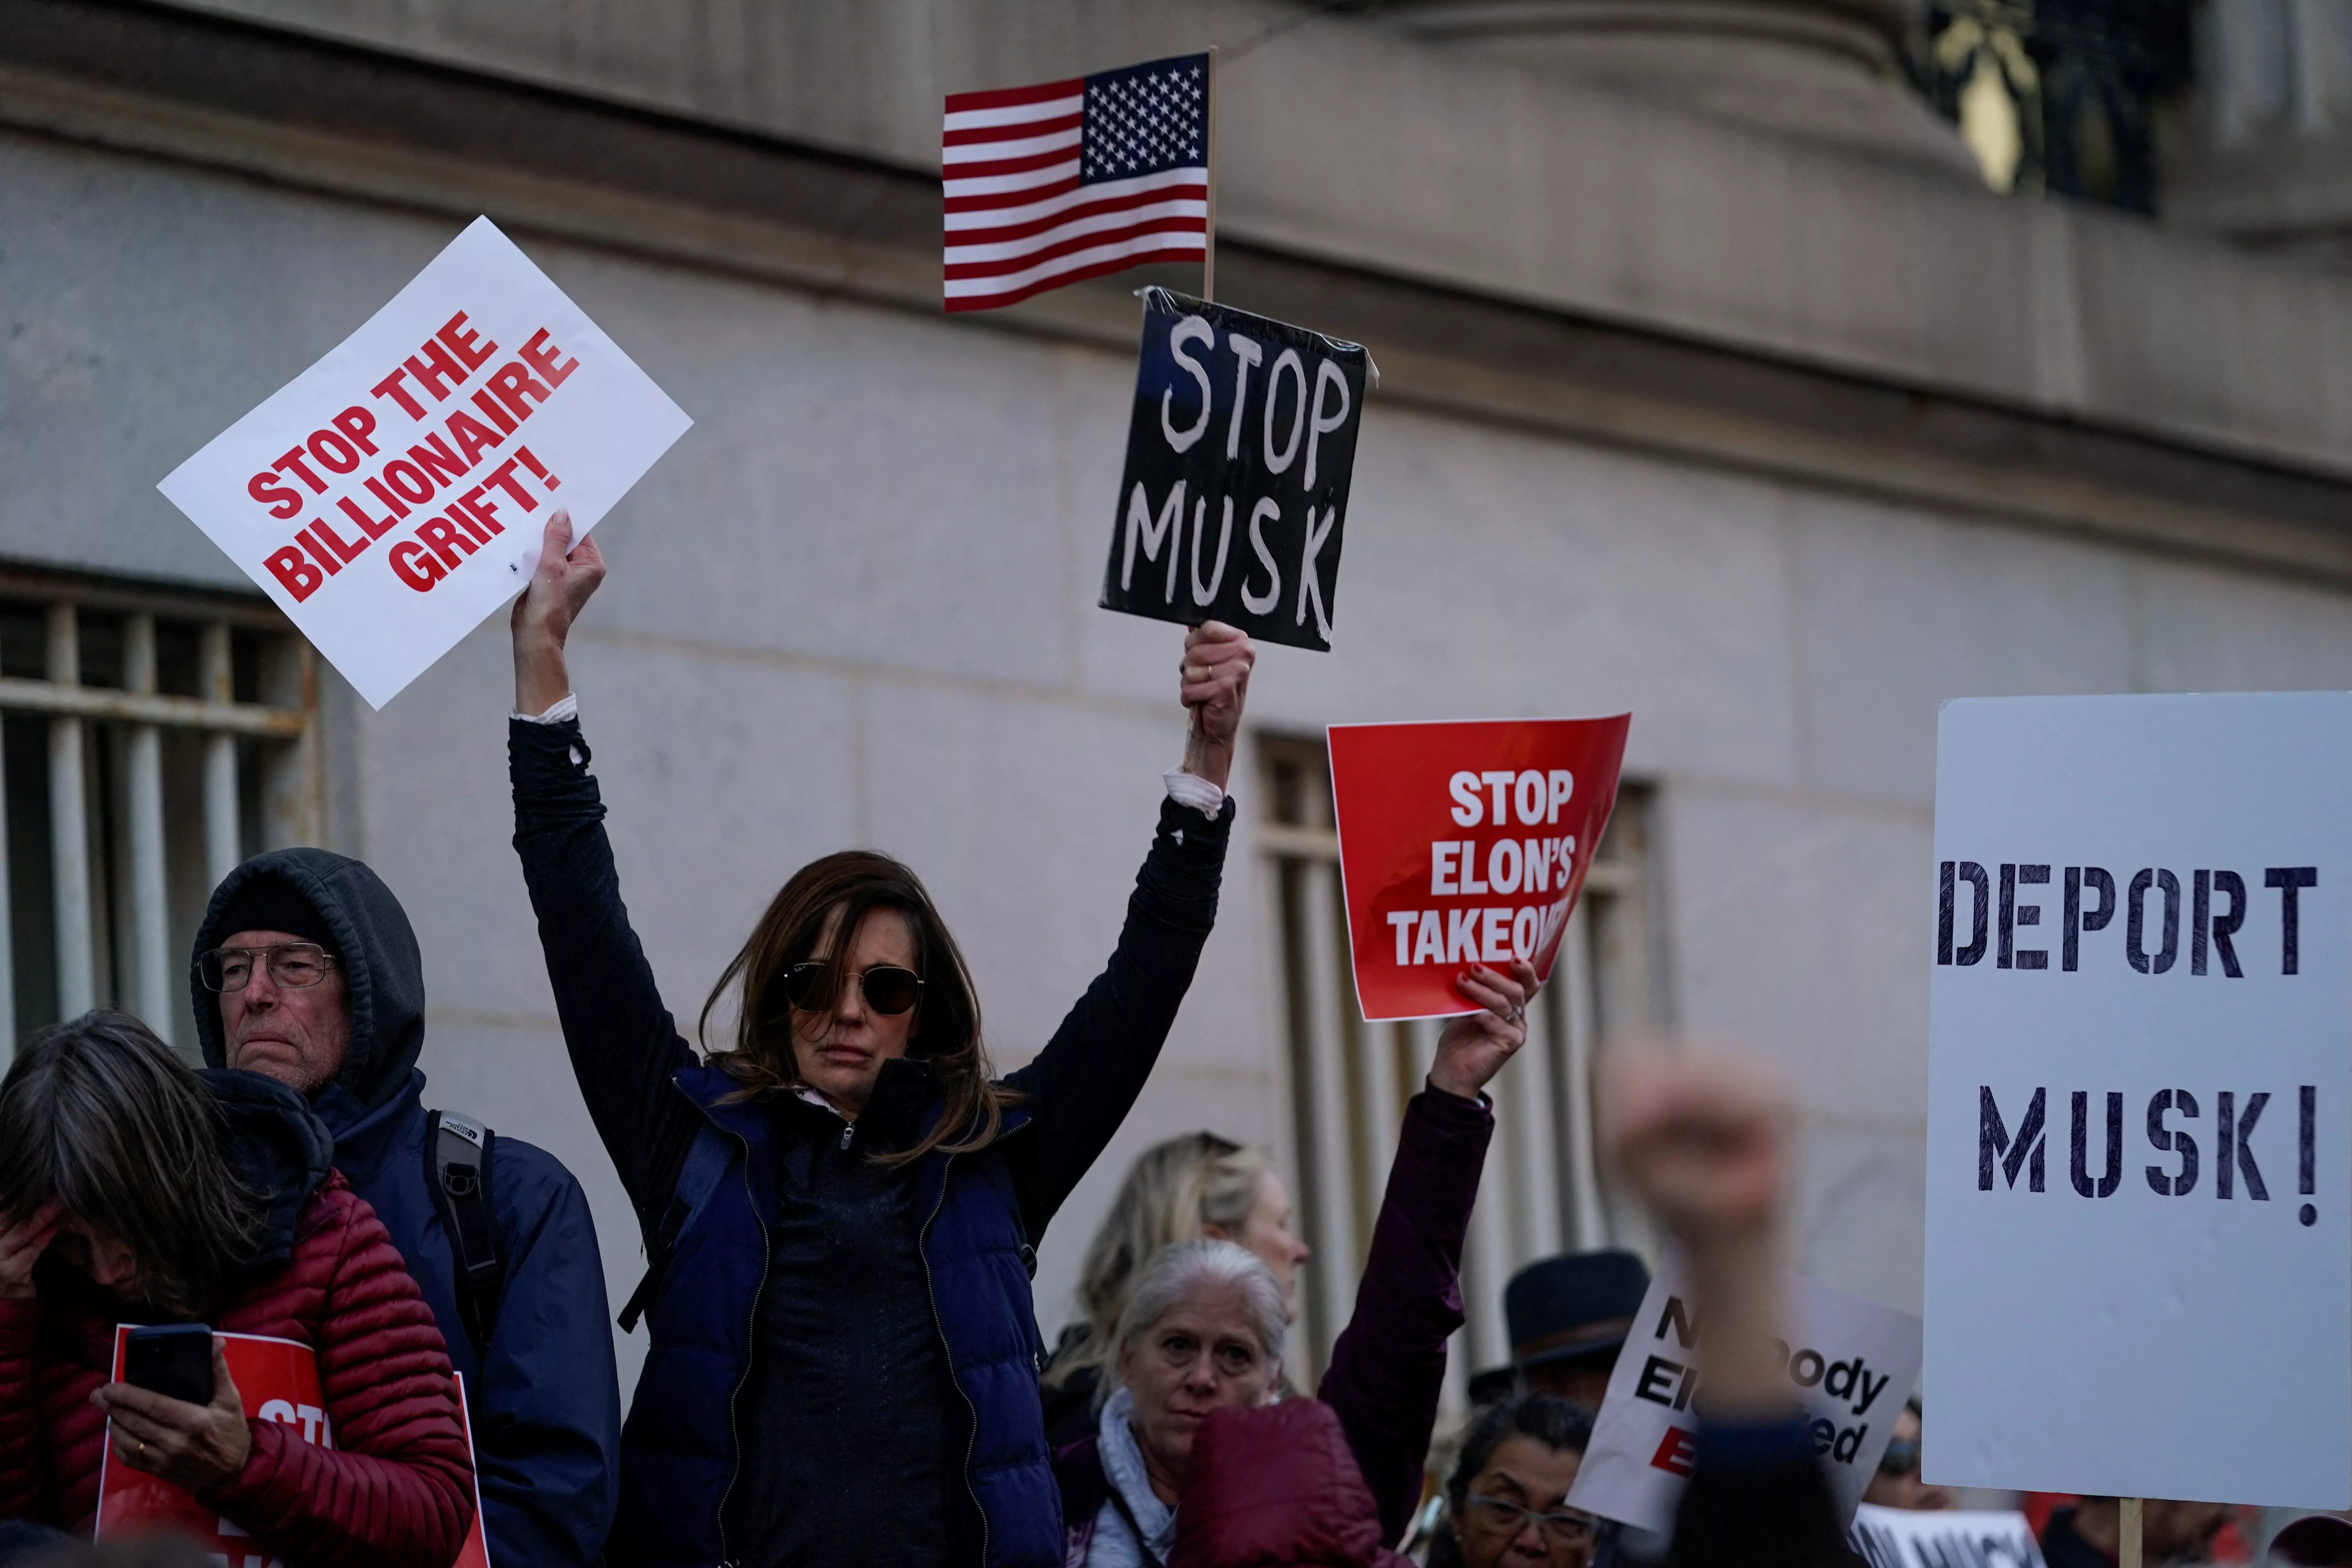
pixel 392 495
pixel 1947 1538
pixel 2139 1243
pixel 1850 1362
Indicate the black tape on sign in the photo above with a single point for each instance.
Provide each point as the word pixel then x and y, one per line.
pixel 1238 457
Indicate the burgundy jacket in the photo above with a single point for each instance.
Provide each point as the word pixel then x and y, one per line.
pixel 1389 1367
pixel 1276 1487
pixel 395 1491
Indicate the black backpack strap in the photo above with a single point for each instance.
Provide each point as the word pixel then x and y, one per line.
pixel 458 1174
pixel 706 1159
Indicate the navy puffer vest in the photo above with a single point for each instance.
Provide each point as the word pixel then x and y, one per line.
pixel 678 1450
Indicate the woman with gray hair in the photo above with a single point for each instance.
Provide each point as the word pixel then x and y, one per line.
pixel 1203 1328
pixel 134 1190
pixel 1182 1189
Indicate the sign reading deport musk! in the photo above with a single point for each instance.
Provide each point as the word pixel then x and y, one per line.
pixel 392 495
pixel 2139 1221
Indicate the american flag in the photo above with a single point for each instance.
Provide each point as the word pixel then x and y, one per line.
pixel 1072 179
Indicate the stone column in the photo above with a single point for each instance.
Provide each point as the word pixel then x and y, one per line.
pixel 1820 70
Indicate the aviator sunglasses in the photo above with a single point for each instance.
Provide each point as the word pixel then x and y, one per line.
pixel 888 989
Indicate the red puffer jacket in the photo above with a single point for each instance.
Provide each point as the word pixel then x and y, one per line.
pixel 1277 1487
pixel 396 1490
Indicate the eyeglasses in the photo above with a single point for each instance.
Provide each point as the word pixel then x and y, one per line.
pixel 1230 1357
pixel 1502 1517
pixel 888 989
pixel 296 964
pixel 1902 1457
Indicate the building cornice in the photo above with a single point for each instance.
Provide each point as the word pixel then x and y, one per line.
pixel 358 123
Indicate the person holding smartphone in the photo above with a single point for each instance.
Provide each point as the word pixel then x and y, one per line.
pixel 134 1190
pixel 840 1206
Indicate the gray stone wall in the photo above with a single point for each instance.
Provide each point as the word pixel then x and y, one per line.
pixel 854 604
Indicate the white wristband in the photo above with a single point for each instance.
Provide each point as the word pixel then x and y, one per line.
pixel 567 707
pixel 1190 789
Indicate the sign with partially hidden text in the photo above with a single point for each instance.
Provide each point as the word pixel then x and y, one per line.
pixel 276 1380
pixel 1465 843
pixel 1942 1538
pixel 1238 456
pixel 2139 1234
pixel 1851 1364
pixel 392 495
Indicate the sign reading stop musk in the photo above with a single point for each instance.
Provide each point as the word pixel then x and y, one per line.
pixel 1238 457
pixel 1465 843
pixel 393 494
pixel 2139 1233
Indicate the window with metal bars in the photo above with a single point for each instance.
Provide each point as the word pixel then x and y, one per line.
pixel 1348 1079
pixel 151 738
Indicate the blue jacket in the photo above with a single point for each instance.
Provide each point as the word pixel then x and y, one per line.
pixel 678 1450
pixel 660 1111
pixel 545 1399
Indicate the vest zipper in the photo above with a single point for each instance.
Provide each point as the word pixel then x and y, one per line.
pixel 750 1350
pixel 972 1442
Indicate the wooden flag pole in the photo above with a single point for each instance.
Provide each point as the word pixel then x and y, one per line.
pixel 2127 1536
pixel 1209 250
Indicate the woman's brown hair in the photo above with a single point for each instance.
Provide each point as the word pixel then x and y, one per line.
pixel 99 1118
pixel 857 882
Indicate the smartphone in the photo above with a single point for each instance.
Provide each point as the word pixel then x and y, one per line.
pixel 175 1360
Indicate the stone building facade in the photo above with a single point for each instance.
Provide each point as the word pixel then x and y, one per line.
pixel 1714 386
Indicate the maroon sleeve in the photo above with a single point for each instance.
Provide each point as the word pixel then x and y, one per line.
pixel 396 1490
pixel 1389 1367
pixel 22 1473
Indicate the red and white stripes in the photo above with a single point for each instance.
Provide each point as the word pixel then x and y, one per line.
pixel 1020 218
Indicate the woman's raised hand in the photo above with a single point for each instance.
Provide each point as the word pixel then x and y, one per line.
pixel 21 1247
pixel 560 588
pixel 1701 1141
pixel 1216 671
pixel 1473 1048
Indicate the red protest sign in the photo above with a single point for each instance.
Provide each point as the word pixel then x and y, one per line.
pixel 1465 843
pixel 276 1380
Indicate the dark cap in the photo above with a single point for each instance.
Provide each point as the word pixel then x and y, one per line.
pixel 1577 1304
pixel 272 903
pixel 2317 1541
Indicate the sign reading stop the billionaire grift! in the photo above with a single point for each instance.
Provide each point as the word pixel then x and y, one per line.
pixel 1465 843
pixel 392 495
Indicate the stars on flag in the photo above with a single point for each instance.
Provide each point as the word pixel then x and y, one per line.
pixel 1144 119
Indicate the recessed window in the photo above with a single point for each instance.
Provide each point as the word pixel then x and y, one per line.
pixel 151 739
pixel 1350 1080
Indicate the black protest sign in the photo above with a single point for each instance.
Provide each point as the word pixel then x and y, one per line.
pixel 1238 456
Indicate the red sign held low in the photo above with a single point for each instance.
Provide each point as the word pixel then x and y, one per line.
pixel 1465 843
pixel 276 1380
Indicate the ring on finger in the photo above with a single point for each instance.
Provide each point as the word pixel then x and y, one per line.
pixel 1515 1015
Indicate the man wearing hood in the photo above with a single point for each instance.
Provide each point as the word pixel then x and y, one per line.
pixel 337 1013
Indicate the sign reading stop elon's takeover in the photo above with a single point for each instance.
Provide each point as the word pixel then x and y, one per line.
pixel 1465 843
pixel 2139 1231
pixel 393 494
pixel 1239 452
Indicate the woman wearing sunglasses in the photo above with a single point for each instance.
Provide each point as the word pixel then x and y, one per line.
pixel 839 1209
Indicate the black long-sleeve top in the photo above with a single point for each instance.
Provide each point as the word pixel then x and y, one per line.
pixel 625 1046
